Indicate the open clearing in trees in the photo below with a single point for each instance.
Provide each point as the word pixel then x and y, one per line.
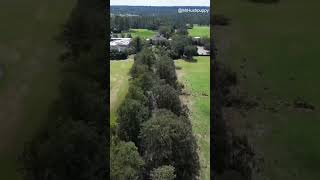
pixel 199 31
pixel 119 81
pixel 142 33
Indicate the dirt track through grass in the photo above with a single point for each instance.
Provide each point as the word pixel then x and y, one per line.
pixel 196 78
pixel 119 82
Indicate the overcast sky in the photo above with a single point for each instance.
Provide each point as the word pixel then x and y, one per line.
pixel 161 2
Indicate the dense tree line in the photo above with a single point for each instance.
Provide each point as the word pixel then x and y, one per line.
pixel 73 145
pixel 115 54
pixel 153 118
pixel 124 23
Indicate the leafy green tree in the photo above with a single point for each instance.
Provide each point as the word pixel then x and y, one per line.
pixel 147 81
pixel 146 57
pixel 165 31
pixel 138 69
pixel 168 140
pixel 190 51
pixel 131 114
pixel 137 44
pixel 167 98
pixel 182 30
pixel 163 173
pixel 206 43
pixel 136 93
pixel 126 162
pixel 166 70
pixel 118 55
pixel 179 42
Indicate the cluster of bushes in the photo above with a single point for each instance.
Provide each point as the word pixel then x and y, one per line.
pixel 118 55
pixel 160 41
pixel 136 45
pixel 205 42
pixel 73 145
pixel 153 119
pixel 182 47
pixel 122 35
pixel 166 31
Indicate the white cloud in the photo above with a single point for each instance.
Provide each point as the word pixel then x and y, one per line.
pixel 161 2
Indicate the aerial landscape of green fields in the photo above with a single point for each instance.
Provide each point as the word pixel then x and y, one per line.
pixel 160 94
pixel 254 98
pixel 274 49
pixel 30 77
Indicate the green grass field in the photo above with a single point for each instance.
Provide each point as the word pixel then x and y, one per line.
pixel 119 82
pixel 199 31
pixel 196 78
pixel 283 45
pixel 29 55
pixel 142 33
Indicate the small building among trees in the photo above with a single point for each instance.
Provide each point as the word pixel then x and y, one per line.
pixel 120 44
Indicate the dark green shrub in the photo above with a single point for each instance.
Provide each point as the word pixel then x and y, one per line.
pixel 168 140
pixel 131 114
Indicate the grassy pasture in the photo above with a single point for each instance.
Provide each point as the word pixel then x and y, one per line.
pixel 119 82
pixel 196 78
pixel 29 55
pixel 142 33
pixel 199 31
pixel 280 43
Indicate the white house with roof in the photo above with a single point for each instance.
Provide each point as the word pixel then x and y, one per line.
pixel 119 44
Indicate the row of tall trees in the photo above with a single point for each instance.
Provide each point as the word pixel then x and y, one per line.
pixel 153 118
pixel 124 23
pixel 73 145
